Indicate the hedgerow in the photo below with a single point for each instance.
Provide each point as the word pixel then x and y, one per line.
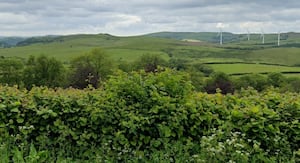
pixel 154 116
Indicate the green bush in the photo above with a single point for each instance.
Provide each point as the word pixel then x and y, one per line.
pixel 142 116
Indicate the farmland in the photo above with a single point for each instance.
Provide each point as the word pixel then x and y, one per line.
pixel 103 98
pixel 253 68
pixel 171 45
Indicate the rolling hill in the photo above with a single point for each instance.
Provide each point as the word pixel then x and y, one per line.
pixel 10 41
pixel 194 47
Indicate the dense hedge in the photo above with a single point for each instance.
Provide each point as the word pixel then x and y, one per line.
pixel 136 115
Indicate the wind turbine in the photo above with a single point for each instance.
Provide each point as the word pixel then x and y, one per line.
pixel 278 38
pixel 221 36
pixel 221 26
pixel 262 36
pixel 248 34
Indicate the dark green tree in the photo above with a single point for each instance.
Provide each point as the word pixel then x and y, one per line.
pixel 178 64
pixel 205 69
pixel 276 79
pixel 125 66
pixel 43 71
pixel 90 69
pixel 292 84
pixel 219 80
pixel 256 81
pixel 149 62
pixel 11 71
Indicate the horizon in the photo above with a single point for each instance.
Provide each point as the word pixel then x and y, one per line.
pixel 45 35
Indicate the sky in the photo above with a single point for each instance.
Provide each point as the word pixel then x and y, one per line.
pixel 136 17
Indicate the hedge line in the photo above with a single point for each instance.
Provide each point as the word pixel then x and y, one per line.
pixel 145 113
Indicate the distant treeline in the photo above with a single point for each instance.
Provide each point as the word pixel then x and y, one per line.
pixel 95 67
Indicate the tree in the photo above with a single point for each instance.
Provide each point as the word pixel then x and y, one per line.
pixel 197 80
pixel 90 69
pixel 125 66
pixel 219 80
pixel 149 62
pixel 178 64
pixel 256 81
pixel 43 71
pixel 293 84
pixel 276 79
pixel 206 70
pixel 11 71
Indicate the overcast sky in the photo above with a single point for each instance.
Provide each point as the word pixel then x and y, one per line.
pixel 134 17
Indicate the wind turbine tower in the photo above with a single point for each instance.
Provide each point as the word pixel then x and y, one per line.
pixel 262 36
pixel 278 39
pixel 221 36
pixel 220 26
pixel 248 34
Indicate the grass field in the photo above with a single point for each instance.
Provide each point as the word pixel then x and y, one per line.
pixel 252 68
pixel 68 47
pixel 65 48
pixel 288 56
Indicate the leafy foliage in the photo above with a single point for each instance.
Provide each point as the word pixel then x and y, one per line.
pixel 256 81
pixel 43 71
pixel 11 71
pixel 220 81
pixel 91 68
pixel 149 62
pixel 147 116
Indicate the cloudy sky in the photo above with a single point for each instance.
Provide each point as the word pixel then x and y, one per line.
pixel 134 17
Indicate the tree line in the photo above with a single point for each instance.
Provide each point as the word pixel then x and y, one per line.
pixel 95 67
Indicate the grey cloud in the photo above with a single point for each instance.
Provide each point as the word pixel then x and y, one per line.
pixel 31 17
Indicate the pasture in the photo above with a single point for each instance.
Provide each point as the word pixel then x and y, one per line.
pixel 170 45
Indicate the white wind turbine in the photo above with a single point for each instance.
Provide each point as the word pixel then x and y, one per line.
pixel 262 36
pixel 220 26
pixel 278 38
pixel 248 34
pixel 221 36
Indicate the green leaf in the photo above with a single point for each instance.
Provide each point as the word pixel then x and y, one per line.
pixel 254 110
pixel 83 121
pixel 164 131
pixel 155 143
pixel 2 106
pixel 14 110
pixel 20 120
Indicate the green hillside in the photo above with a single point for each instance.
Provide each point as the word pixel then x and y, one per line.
pixel 169 45
pixel 10 41
pixel 67 47
pixel 233 69
pixel 201 36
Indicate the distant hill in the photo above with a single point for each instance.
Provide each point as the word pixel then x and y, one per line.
pixel 195 47
pixel 235 56
pixel 10 41
pixel 291 39
pixel 212 37
pixel 39 39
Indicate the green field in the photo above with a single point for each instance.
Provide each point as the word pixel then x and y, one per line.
pixel 168 45
pixel 287 56
pixel 68 47
pixel 252 68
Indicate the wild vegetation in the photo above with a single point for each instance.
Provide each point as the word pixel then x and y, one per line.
pixel 141 99
pixel 141 117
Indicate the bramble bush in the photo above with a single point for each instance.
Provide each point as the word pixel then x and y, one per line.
pixel 142 116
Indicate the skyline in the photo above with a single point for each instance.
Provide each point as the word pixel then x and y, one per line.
pixel 132 17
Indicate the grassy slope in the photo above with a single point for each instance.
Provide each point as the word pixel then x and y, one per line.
pixel 252 68
pixel 288 56
pixel 69 47
pixel 130 48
